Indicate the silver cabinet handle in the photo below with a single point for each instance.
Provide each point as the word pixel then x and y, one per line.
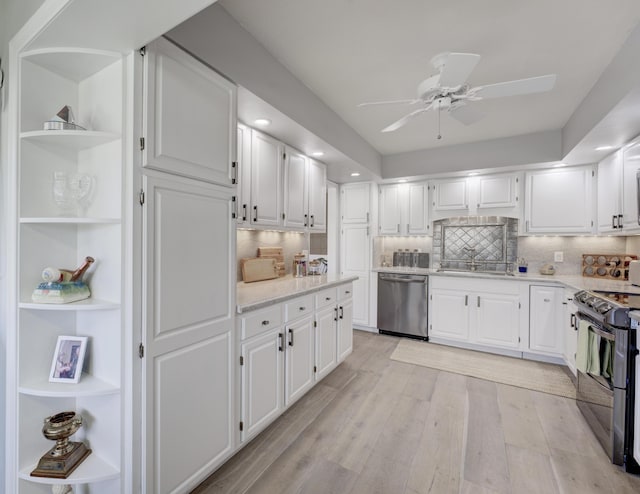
pixel 302 308
pixel 620 225
pixel 281 338
pixel 572 321
pixel 547 300
pixel 265 322
pixel 466 300
pixel 305 219
pixel 398 229
pixel 234 172
pixel 244 212
pixel 367 216
pixel 341 312
pixel 478 300
pixel 255 213
pixel 335 317
pixel 290 337
pixel 313 221
pixel 347 291
pixel 613 221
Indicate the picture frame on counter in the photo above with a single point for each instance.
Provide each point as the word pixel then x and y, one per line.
pixel 68 359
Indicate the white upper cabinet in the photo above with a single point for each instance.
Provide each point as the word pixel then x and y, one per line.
pixel 355 203
pixel 243 164
pixel 630 206
pixel 497 191
pixel 560 200
pixel 404 209
pixel 609 192
pixel 451 194
pixel 266 180
pixel 317 196
pixel 390 216
pixel 189 123
pixel 295 189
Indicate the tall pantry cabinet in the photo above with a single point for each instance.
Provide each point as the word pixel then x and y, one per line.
pixel 188 257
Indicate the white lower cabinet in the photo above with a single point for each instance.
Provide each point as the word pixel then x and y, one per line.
pixel 546 333
pixel 288 347
pixel 299 358
pixel 476 312
pixel 261 381
pixel 570 326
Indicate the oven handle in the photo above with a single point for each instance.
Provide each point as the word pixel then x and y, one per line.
pixel 594 327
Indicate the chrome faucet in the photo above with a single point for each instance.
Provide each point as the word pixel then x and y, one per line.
pixel 472 254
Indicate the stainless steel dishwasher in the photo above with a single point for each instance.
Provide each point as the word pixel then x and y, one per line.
pixel 402 304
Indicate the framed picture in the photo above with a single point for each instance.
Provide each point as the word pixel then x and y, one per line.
pixel 68 359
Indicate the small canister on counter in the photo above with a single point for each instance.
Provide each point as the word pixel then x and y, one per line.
pixel 299 265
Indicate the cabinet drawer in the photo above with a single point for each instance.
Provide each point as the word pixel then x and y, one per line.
pixel 298 307
pixel 259 321
pixel 345 291
pixel 326 297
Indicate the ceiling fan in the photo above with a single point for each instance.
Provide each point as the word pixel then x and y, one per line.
pixel 448 90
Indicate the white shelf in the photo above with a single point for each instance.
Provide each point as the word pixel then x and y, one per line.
pixel 71 139
pixel 92 469
pixel 87 304
pixel 71 220
pixel 88 386
pixel 75 64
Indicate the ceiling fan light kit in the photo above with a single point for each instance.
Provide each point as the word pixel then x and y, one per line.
pixel 449 91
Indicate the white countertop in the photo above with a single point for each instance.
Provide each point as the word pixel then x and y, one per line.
pixel 573 282
pixel 251 296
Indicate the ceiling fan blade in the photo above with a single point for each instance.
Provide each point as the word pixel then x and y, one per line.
pixel 514 88
pixel 391 102
pixel 467 114
pixel 456 68
pixel 403 121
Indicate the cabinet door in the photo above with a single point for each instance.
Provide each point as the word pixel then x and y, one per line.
pixel 355 203
pixel 452 194
pixel 189 117
pixel 355 248
pixel 609 183
pixel 418 209
pixel 390 215
pixel 496 191
pixel 299 359
pixel 360 298
pixel 295 189
pixel 630 206
pixel 345 329
pixel 449 312
pixel 570 332
pixel 261 381
pixel 326 341
pixel 189 314
pixel 317 196
pixel 560 200
pixel 266 180
pixel 545 325
pixel 243 162
pixel 497 319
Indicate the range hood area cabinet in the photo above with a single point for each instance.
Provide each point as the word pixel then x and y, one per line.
pixel 278 186
pixel 618 191
pixel 560 201
pixel 404 209
pixel 485 195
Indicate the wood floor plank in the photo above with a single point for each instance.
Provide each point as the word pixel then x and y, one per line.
pixel 577 476
pixel 520 421
pixel 524 461
pixel 381 475
pixel 421 383
pixel 328 478
pixel 436 466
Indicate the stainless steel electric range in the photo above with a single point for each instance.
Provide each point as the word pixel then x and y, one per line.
pixel 606 373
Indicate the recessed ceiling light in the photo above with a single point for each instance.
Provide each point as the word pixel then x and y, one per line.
pixel 604 148
pixel 262 122
pixel 402 180
pixel 355 174
pixel 473 174
pixel 317 153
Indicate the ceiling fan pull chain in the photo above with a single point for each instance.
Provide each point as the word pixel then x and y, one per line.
pixel 439 136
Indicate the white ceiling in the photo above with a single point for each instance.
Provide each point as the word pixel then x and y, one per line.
pixel 352 51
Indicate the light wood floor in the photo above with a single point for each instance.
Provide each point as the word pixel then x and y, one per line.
pixel 379 426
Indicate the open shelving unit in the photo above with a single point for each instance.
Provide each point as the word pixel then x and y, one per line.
pixel 93 83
